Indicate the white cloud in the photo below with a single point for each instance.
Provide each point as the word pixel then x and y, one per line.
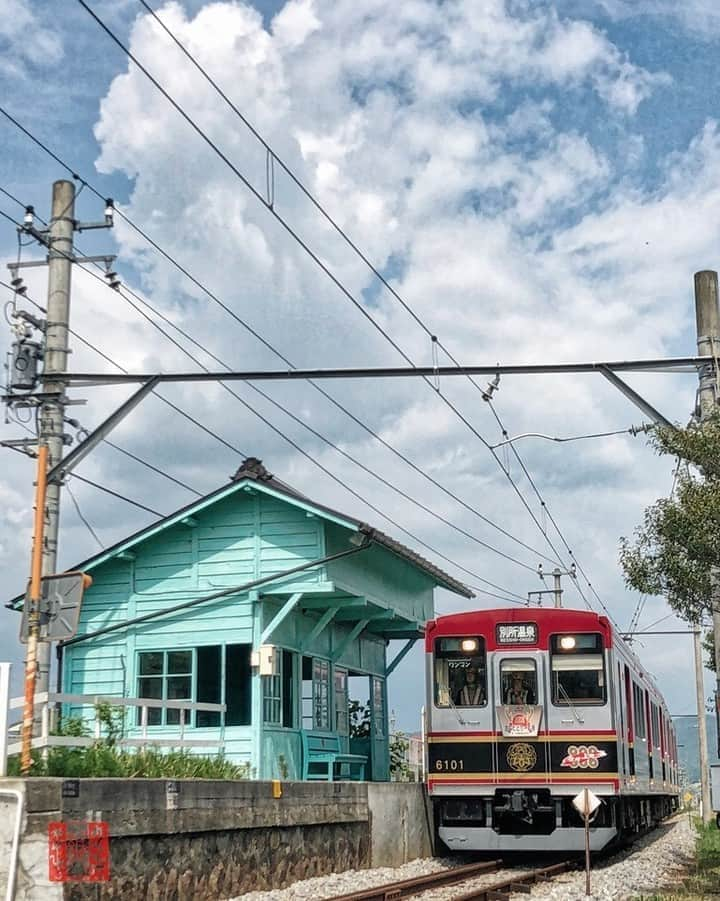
pixel 449 141
pixel 26 40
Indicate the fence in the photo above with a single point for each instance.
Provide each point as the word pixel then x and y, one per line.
pixel 45 703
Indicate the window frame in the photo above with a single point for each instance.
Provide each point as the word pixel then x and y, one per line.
pixel 554 693
pixel 517 658
pixel 481 654
pixel 163 677
pixel 192 714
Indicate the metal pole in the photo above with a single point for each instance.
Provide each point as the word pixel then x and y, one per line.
pixel 31 661
pixel 702 729
pixel 60 252
pixel 557 590
pixel 707 319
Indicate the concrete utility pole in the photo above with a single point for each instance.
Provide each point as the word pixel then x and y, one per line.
pixel 52 411
pixel 702 729
pixel 707 319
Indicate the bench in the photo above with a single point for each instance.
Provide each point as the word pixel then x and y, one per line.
pixel 324 761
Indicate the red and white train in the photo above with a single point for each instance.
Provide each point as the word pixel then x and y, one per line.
pixel 525 708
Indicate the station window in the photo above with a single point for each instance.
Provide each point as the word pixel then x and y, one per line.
pixel 196 674
pixel 518 681
pixel 278 692
pixel 460 672
pixel 578 670
pixel 342 722
pixel 316 693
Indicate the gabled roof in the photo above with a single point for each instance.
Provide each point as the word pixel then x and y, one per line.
pixel 252 472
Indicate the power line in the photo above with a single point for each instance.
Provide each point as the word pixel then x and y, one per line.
pixel 336 403
pixel 474 575
pixel 82 518
pixel 360 254
pixel 116 494
pixel 270 207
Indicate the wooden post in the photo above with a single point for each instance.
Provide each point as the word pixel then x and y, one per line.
pixel 586 800
pixel 34 611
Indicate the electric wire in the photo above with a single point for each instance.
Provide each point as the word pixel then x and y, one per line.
pixel 255 334
pixel 506 592
pixel 116 494
pixel 82 518
pixel 269 204
pixel 273 211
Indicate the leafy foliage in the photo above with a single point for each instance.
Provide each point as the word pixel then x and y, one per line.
pixel 677 546
pixel 399 767
pixel 104 758
pixel 359 719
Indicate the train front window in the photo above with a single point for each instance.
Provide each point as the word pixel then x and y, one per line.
pixel 460 672
pixel 518 681
pixel 578 670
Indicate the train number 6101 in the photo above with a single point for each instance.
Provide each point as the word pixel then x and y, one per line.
pixel 446 766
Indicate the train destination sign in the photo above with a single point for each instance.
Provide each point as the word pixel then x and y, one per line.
pixel 516 633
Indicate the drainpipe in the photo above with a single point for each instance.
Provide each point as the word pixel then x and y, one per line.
pixel 12 870
pixel 237 589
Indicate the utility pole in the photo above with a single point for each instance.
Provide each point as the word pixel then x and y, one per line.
pixel 707 320
pixel 52 410
pixel 702 728
pixel 50 402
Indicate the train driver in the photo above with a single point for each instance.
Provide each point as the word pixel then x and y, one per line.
pixel 471 694
pixel 516 693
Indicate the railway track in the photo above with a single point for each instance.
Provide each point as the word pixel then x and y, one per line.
pixel 497 891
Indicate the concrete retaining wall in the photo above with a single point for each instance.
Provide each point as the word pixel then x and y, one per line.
pixel 208 839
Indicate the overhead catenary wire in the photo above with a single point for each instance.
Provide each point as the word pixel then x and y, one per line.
pixel 271 154
pixel 288 228
pixel 507 593
pixel 82 518
pixel 336 403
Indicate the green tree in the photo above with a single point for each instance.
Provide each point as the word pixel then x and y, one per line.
pixel 674 550
pixel 399 766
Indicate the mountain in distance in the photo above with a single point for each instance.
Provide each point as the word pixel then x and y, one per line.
pixel 689 744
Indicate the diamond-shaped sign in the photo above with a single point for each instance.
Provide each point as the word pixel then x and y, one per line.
pixel 59 606
pixel 586 803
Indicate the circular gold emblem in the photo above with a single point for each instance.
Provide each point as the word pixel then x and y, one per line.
pixel 521 757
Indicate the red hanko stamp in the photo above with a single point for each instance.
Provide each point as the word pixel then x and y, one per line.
pixel 78 851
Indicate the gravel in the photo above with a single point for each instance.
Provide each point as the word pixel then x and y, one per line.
pixel 657 861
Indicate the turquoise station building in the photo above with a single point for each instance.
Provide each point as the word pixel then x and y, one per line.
pixel 263 600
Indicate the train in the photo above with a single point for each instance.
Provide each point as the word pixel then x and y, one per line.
pixel 525 708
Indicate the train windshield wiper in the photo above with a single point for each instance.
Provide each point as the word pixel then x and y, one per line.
pixel 570 703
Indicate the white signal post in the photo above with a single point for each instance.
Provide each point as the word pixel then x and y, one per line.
pixel 586 803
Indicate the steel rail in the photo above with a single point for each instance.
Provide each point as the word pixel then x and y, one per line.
pixel 407 887
pixel 499 891
pixel 666 364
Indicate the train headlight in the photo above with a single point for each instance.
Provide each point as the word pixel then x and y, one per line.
pixel 469 645
pixel 567 642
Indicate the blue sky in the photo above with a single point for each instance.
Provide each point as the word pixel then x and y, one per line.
pixel 540 181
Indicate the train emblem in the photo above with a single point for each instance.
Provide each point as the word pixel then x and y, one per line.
pixel 583 757
pixel 521 757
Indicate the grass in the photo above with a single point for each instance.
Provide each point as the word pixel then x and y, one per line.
pixel 704 882
pixel 105 759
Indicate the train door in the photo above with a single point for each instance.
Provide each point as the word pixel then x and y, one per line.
pixel 519 705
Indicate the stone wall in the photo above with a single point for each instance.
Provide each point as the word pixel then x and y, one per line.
pixel 208 839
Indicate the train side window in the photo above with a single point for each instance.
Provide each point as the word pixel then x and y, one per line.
pixel 578 670
pixel 518 681
pixel 460 672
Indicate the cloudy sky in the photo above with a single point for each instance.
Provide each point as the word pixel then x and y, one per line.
pixel 536 181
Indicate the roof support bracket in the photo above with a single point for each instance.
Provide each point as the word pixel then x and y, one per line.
pixel 349 638
pixel 321 624
pixel 281 615
pixel 400 656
